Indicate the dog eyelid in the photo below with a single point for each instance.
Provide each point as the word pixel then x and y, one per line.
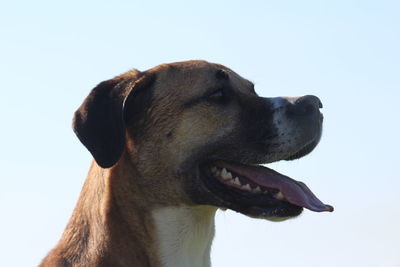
pixel 216 93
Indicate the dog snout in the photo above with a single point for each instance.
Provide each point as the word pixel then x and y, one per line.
pixel 304 106
pixel 297 122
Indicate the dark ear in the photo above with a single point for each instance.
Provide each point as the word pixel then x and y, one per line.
pixel 99 122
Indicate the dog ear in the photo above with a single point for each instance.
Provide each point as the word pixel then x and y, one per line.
pixel 100 121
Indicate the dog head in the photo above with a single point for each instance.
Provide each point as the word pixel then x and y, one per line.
pixel 197 132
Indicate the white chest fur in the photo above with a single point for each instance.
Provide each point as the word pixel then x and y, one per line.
pixel 185 235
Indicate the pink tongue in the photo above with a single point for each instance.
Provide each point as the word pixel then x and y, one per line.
pixel 296 193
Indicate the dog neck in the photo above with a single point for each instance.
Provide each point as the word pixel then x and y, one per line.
pixel 113 225
pixel 184 235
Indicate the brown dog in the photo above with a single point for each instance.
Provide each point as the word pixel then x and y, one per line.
pixel 171 145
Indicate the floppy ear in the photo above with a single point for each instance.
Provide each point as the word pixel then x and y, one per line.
pixel 100 121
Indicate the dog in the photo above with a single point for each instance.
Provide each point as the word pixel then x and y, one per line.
pixel 171 145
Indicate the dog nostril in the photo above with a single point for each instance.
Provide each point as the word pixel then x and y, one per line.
pixel 320 103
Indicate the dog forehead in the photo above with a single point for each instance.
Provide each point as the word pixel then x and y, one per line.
pixel 193 78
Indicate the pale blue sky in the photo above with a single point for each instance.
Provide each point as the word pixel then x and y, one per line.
pixel 346 52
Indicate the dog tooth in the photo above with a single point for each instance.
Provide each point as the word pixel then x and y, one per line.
pixel 280 196
pixel 246 187
pixel 236 181
pixel 257 189
pixel 225 174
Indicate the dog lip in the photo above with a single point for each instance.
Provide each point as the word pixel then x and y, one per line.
pixel 271 214
pixel 294 192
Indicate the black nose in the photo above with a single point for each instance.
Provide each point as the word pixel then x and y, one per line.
pixel 308 105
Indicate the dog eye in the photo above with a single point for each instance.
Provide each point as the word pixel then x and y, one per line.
pixel 217 94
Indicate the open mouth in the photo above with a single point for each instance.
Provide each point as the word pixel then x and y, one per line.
pixel 259 191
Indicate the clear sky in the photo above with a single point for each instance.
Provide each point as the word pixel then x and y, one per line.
pixel 346 52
